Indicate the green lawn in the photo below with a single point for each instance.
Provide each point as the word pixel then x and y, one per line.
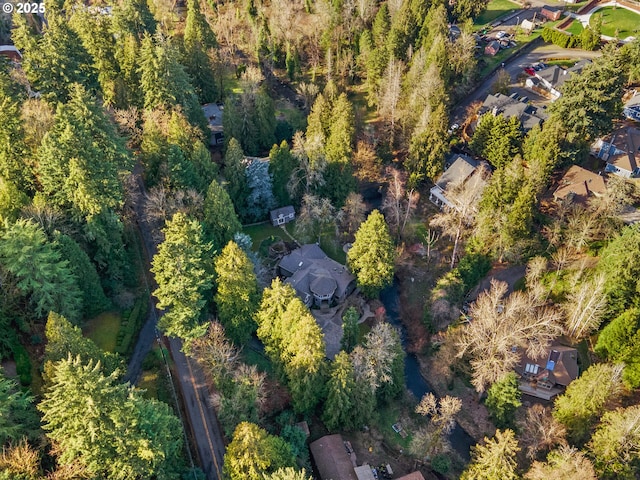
pixel 259 233
pixel 575 28
pixel 103 330
pixel 562 63
pixel 495 9
pixel 618 22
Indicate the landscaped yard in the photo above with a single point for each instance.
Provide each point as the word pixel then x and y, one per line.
pixel 103 330
pixel 495 9
pixel 259 233
pixel 575 28
pixel 618 22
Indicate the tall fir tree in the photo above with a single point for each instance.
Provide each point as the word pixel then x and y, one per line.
pixel 182 269
pixel 234 173
pixel 220 220
pixel 237 293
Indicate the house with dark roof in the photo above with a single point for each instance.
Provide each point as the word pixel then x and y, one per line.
pixel 459 169
pixel 511 106
pixel 548 376
pixel 332 458
pixel 492 48
pixel 621 152
pixel 577 185
pixel 282 215
pixel 213 114
pixel 552 78
pixel 632 108
pixel 10 52
pixel 317 279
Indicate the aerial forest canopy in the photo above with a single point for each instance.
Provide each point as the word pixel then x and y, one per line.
pixel 146 150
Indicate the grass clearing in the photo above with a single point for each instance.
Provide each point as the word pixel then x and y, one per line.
pixel 154 378
pixel 259 233
pixel 575 28
pixel 259 359
pixel 495 9
pixel 103 330
pixel 618 22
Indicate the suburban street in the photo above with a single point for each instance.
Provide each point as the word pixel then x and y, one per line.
pixel 200 414
pixel 514 67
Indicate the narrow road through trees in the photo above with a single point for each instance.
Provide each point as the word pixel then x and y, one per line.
pixel 200 415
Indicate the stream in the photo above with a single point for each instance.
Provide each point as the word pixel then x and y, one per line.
pixel 460 440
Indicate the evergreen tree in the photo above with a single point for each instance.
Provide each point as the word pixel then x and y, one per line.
pixel 620 342
pixel 81 158
pixel 198 39
pixel 55 61
pixel 65 339
pixel 39 270
pixel 350 329
pixel 495 460
pixel 220 220
pixel 234 172
pixel 586 399
pixel 14 157
pixel 18 418
pixel 281 166
pixel 133 17
pixel 165 82
pixel 260 185
pixel 372 256
pixel 253 453
pixel 503 399
pixel 11 201
pixel 237 293
pixel 93 298
pixel 340 409
pixel 615 445
pixel 182 270
pixel 108 426
pixel 428 147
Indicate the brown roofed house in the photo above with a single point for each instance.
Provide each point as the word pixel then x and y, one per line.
pixel 412 476
pixel 621 151
pixel 332 458
pixel 550 13
pixel 547 377
pixel 492 48
pixel 578 184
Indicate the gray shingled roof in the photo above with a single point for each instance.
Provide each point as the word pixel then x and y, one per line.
pixel 459 170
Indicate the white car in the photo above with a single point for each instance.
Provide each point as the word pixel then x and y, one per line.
pixel 501 34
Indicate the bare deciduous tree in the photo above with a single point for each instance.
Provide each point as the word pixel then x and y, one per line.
pixel 585 307
pixel 502 327
pixel 311 161
pixel 215 353
pixel 567 463
pixel 367 164
pixel 317 216
pixel 389 96
pixel 399 203
pixel 372 362
pixel 432 440
pixel 539 431
pixel 352 213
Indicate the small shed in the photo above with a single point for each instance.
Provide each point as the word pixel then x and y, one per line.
pixel 282 215
pixel 551 13
pixel 492 49
pixel 11 52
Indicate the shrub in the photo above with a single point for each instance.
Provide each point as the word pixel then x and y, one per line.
pixel 441 464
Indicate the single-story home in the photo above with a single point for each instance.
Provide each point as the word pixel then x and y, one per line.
pixel 317 279
pixel 492 48
pixel 511 106
pixel 551 13
pixel 459 169
pixel 282 215
pixel 332 459
pixel 549 376
pixel 552 78
pixel 632 108
pixel 578 184
pixel 621 151
pixel 213 114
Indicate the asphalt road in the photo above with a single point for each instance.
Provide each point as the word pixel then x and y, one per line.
pixel 514 67
pixel 200 415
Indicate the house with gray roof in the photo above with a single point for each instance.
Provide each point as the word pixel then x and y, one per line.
pixel 621 151
pixel 282 215
pixel 552 78
pixel 459 169
pixel 511 106
pixel 632 108
pixel 317 279
pixel 213 114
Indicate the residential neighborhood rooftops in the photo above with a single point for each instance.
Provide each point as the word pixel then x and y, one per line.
pixel 459 170
pixel 331 458
pixel 554 76
pixel 528 115
pixel 621 151
pixel 578 184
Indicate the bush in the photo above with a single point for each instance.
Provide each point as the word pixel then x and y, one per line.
pixel 130 325
pixel 441 464
pixel 502 400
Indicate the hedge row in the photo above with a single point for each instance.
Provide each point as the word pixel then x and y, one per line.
pixel 130 325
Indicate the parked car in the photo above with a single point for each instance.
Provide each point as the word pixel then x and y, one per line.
pixel 530 71
pixel 501 34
